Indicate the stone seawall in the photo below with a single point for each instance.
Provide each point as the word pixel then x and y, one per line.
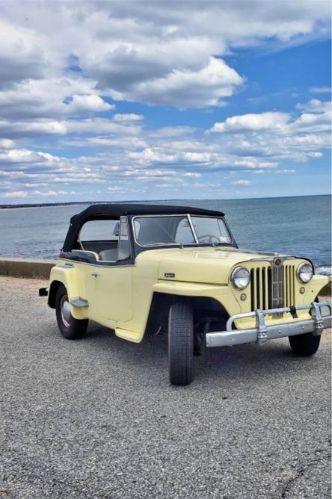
pixel 16 267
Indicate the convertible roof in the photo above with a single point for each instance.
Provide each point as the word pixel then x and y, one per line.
pixel 116 210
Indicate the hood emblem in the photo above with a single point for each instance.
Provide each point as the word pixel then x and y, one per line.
pixel 277 260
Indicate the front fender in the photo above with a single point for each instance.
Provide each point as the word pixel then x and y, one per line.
pixel 218 292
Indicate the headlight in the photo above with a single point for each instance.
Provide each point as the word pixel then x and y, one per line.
pixel 240 277
pixel 305 272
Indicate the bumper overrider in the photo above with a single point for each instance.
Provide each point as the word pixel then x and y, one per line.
pixel 262 332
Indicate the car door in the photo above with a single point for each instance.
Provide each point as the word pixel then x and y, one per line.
pixel 110 293
pixel 109 280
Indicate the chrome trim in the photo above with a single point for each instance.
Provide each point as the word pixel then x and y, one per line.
pixel 298 272
pixel 262 332
pixel 235 269
pixel 65 309
pixel 277 285
pixel 192 228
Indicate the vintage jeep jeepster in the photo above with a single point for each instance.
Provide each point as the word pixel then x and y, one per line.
pixel 143 268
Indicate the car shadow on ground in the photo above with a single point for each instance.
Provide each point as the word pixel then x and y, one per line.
pixel 272 360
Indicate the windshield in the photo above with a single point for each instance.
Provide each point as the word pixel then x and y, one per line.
pixel 159 230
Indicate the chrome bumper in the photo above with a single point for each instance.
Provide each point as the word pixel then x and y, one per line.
pixel 262 332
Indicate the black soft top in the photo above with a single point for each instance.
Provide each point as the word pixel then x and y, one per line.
pixel 116 210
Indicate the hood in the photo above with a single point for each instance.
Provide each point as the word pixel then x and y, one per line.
pixel 205 264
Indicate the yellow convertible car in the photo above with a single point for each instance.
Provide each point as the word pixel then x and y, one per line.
pixel 140 269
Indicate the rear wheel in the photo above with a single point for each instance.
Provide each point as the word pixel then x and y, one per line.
pixel 181 343
pixel 70 328
pixel 304 344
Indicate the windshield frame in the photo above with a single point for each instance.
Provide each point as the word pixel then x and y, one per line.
pixel 182 245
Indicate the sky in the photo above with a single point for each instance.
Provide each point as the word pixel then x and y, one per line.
pixel 142 100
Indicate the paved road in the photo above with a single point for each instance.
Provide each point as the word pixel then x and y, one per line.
pixel 97 418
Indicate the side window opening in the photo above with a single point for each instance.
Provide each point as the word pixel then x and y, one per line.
pixel 108 239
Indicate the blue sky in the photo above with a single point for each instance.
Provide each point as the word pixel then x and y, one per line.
pixel 139 100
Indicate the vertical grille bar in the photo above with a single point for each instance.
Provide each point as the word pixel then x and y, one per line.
pixel 267 287
pixel 289 285
pixel 258 290
pixel 286 286
pixel 270 286
pixel 252 289
pixel 261 290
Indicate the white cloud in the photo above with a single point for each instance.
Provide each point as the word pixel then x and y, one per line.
pixel 131 51
pixel 320 90
pixel 252 122
pixel 88 103
pixel 131 151
pixel 15 194
pixel 127 118
pixel 6 144
pixel 63 66
pixel 241 181
pixel 188 88
pixel 265 139
pixel 285 171
pixel 52 97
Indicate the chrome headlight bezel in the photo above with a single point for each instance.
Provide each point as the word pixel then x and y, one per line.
pixel 305 276
pixel 245 278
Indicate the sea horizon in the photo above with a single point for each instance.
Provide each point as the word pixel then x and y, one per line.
pixel 287 225
pixel 140 201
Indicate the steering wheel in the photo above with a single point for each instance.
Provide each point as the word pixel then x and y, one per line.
pixel 210 238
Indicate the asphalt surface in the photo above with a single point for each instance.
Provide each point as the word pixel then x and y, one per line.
pixel 97 418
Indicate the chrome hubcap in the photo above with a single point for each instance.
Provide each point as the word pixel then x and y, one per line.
pixel 65 311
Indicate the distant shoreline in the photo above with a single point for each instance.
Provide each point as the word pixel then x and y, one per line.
pixel 75 203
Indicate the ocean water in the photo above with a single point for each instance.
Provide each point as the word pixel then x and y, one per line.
pixel 298 226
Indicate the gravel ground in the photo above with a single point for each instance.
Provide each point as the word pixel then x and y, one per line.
pixel 97 418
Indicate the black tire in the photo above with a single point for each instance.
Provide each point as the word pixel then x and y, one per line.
pixel 304 345
pixel 70 328
pixel 181 343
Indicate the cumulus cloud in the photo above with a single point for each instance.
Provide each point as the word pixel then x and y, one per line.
pixel 188 88
pixel 65 70
pixel 320 90
pixel 128 150
pixel 254 122
pixel 128 50
pixel 15 194
pixel 279 136
pixel 241 181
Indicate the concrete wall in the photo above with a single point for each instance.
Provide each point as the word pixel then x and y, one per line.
pixel 16 267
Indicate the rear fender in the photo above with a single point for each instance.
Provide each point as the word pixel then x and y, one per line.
pixel 66 275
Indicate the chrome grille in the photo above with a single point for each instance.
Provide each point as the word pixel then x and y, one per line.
pixel 272 286
pixel 277 285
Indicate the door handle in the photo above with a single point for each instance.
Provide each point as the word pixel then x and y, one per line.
pixel 95 275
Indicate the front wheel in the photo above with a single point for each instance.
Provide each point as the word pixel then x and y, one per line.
pixel 304 345
pixel 181 343
pixel 70 328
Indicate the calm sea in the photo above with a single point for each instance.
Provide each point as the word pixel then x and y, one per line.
pixel 295 225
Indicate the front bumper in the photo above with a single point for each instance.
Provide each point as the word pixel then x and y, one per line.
pixel 262 332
